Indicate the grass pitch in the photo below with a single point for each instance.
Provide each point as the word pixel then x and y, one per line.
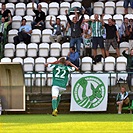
pixel 67 123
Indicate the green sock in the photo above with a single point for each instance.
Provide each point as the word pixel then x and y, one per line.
pixel 54 104
pixel 58 101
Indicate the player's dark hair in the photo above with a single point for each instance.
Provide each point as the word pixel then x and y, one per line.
pixel 23 19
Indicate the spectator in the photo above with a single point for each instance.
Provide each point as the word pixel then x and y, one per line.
pixel 97 38
pixel 73 56
pixel 111 33
pixel 3 28
pixel 131 33
pixel 24 34
pixel 84 26
pixel 5 12
pixel 58 29
pixel 75 31
pixel 126 3
pixel 67 32
pixel 129 65
pixel 122 99
pixel 87 39
pixel 125 30
pixel 87 5
pixel 39 17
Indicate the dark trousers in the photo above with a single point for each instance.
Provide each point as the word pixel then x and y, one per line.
pixel 22 37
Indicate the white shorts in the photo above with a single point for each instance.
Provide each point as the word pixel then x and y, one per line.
pixel 57 91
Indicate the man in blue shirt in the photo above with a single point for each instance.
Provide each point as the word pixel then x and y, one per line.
pixel 73 56
pixel 24 34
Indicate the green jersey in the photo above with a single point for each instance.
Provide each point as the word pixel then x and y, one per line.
pixel 96 29
pixel 60 74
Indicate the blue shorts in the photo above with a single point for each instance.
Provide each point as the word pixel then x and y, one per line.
pixel 97 41
pixel 126 3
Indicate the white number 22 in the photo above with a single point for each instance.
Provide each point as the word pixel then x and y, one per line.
pixel 58 75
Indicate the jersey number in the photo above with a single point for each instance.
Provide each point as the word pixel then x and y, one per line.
pixel 59 75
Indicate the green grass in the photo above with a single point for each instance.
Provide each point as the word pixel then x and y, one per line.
pixel 67 123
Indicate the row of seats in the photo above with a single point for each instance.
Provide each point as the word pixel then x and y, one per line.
pixel 43 79
pixel 46 50
pixel 108 64
pixel 110 7
pixel 52 8
pixel 55 8
pixel 16 20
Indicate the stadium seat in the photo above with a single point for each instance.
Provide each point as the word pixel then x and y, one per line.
pixel 48 26
pixel 45 35
pixel 18 59
pixel 53 8
pixel 11 7
pixel 64 6
pixel 36 36
pixel 29 79
pixel 40 79
pixel 63 19
pixel 118 18
pixel 29 19
pixel 68 0
pixel 50 59
pixel 20 9
pixel 86 64
pixel 44 7
pixel 75 4
pixel 71 16
pixel 92 17
pixel 32 50
pixel 129 16
pixel 43 50
pixel 55 49
pixel 9 50
pixel 112 79
pixel 29 9
pixel 16 22
pixel 98 67
pixel 49 79
pixel 65 49
pixel 123 46
pixel 28 64
pixel 21 49
pixel 106 17
pixel 109 64
pixel 121 63
pixel 98 8
pixel 11 34
pixel 109 7
pixel 5 59
pixel 86 16
pixel 12 1
pixel 122 77
pixel 39 64
pixel 119 7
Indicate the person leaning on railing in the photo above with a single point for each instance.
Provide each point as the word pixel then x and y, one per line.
pixel 129 65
